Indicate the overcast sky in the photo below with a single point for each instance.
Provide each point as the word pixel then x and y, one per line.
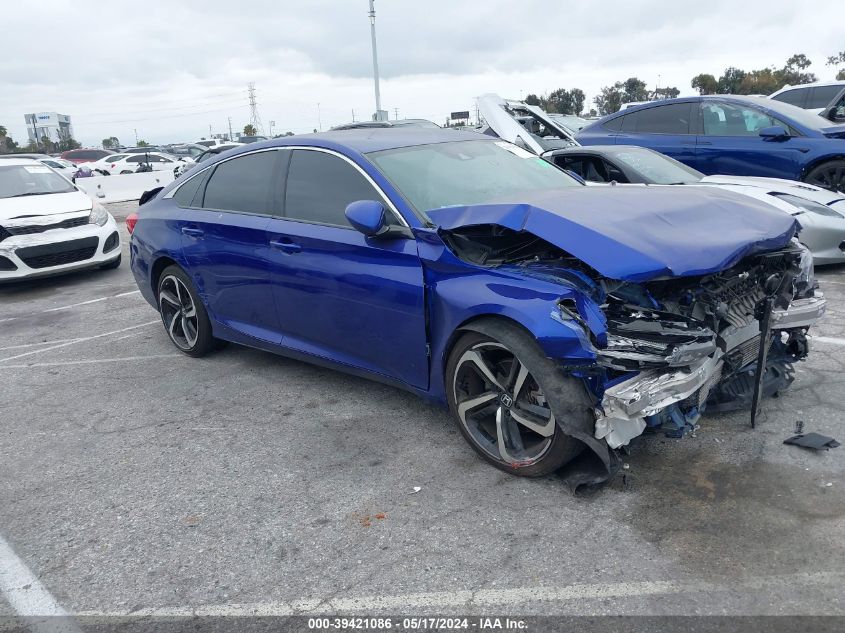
pixel 171 68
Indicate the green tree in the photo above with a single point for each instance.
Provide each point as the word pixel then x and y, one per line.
pixel 705 84
pixel 612 97
pixel 669 92
pixel 47 144
pixel 288 133
pixel 143 143
pixel 68 143
pixel 730 81
pixel 533 99
pixel 110 142
pixel 835 60
pixel 249 130
pixel 6 142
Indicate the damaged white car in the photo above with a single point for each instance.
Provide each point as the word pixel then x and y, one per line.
pixel 48 226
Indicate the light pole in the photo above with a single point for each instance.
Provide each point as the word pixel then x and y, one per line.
pixel 272 124
pixel 378 115
pixel 319 118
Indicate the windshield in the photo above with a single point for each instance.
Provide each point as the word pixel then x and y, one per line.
pixel 31 180
pixel 466 172
pixel 656 168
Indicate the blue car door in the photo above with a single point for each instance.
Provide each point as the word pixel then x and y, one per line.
pixel 667 129
pixel 224 242
pixel 340 295
pixel 730 143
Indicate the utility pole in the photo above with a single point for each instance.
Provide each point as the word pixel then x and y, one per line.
pixel 231 136
pixel 353 115
pixel 395 114
pixel 136 137
pixel 378 115
pixel 272 125
pixel 319 118
pixel 209 131
pixel 254 119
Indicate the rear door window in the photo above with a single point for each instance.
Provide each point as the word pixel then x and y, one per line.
pixel 795 97
pixel 673 118
pixel 243 184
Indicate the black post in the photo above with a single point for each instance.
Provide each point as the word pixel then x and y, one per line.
pixel 760 371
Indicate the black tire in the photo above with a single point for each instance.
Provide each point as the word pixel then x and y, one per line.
pixel 185 318
pixel 543 387
pixel 126 171
pixel 829 175
pixel 115 263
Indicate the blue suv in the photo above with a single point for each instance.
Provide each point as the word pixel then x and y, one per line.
pixel 740 136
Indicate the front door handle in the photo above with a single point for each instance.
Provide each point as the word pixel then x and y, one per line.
pixel 192 231
pixel 285 245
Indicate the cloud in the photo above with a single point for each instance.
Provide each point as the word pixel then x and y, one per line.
pixel 171 69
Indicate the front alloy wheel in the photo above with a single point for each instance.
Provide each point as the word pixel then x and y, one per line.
pixel 500 404
pixel 829 175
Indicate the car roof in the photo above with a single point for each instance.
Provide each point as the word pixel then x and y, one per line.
pixel 19 161
pixel 834 82
pixel 369 140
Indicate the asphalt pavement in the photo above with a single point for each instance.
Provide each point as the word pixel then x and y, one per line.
pixel 134 479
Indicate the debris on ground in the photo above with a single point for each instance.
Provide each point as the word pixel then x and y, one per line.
pixel 416 490
pixel 816 441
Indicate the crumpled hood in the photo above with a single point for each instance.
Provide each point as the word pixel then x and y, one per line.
pixel 638 233
pixel 50 204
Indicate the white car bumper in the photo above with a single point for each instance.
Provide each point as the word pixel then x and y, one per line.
pixel 57 250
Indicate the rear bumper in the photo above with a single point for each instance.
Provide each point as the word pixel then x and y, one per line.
pixel 58 251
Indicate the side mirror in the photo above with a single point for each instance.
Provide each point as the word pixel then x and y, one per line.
pixel 773 133
pixel 366 216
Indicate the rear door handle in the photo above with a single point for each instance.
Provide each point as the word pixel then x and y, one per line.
pixel 192 231
pixel 285 245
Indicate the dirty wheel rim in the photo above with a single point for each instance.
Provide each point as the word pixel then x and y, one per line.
pixel 501 406
pixel 178 312
pixel 831 177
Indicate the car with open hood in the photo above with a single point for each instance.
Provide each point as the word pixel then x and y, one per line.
pixel 820 212
pixel 551 318
pixel 524 125
pixel 48 226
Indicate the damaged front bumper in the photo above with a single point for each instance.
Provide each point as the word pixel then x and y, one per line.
pixel 630 405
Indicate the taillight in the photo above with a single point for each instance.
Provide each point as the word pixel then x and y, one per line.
pixel 131 219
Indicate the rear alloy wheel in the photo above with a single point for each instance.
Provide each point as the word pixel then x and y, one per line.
pixel 501 408
pixel 829 175
pixel 183 314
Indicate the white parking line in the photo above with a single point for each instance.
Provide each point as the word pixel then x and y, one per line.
pixel 75 305
pixel 829 339
pixel 93 361
pixel 26 345
pixel 492 597
pixel 79 340
pixel 28 597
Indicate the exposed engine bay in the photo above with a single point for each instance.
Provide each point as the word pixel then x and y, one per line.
pixel 668 349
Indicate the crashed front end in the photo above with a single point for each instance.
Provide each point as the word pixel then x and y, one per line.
pixel 674 348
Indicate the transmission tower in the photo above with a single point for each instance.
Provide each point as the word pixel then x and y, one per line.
pixel 254 119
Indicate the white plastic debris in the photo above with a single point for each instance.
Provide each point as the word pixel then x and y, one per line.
pixel 416 490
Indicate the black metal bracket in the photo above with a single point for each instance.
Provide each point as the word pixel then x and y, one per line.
pixel 765 308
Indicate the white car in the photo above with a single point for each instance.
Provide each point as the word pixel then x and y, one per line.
pixel 130 163
pixel 816 97
pixel 64 167
pixel 213 142
pixel 106 164
pixel 821 213
pixel 48 226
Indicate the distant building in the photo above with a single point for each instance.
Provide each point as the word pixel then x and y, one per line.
pixel 53 125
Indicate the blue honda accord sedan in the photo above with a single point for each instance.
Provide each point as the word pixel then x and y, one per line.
pixel 548 316
pixel 738 136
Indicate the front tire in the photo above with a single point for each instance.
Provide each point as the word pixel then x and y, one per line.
pixel 183 314
pixel 496 386
pixel 829 175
